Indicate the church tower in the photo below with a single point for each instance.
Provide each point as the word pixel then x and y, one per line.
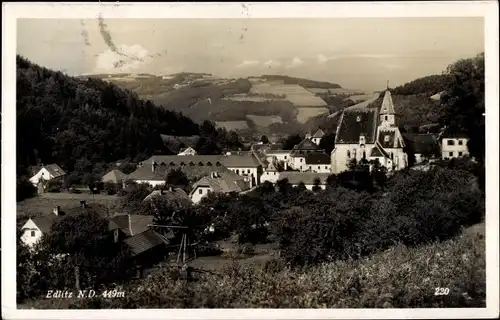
pixel 387 113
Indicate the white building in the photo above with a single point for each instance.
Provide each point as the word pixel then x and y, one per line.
pixel 316 137
pixel 454 146
pixel 308 178
pixel 369 134
pixel 47 173
pixel 298 155
pixel 187 152
pixel 270 174
pixel 219 183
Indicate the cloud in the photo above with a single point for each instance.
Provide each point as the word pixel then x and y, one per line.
pixel 295 62
pixel 321 58
pixel 123 58
pixel 272 63
pixel 248 63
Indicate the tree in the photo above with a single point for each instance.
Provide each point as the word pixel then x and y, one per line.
pixel 177 178
pixel 264 139
pixel 316 184
pixel 301 186
pixel 25 189
pixel 291 141
pixel 327 143
pixel 463 102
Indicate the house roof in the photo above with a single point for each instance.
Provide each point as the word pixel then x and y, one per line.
pixel 243 160
pixel 319 134
pixel 455 135
pixel 354 123
pixel 271 168
pixel 176 195
pixel 55 170
pixel 224 183
pixel 144 241
pixel 114 176
pixel 44 223
pixel 378 151
pixel 266 146
pixel 306 144
pixel 192 171
pixel 424 143
pixel 132 224
pixel 308 178
pixel 187 149
pixel 318 158
pixel 387 105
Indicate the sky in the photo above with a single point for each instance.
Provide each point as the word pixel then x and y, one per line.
pixel 357 53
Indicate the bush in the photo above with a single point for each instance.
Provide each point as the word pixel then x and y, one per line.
pixel 53 186
pixel 25 189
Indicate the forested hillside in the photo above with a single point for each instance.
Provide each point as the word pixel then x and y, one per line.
pixel 425 85
pixel 77 123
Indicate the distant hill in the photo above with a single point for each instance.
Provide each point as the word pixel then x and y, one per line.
pixel 78 122
pixel 426 85
pixel 306 83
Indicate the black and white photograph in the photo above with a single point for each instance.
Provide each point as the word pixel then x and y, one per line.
pixel 338 159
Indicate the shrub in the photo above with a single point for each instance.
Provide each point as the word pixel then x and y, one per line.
pixel 25 189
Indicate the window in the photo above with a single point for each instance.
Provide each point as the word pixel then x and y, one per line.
pixel 450 154
pixel 451 143
pixel 33 233
pixel 392 156
pixel 237 171
pixel 386 138
pixel 300 167
pixel 364 154
pixel 348 153
pixel 200 191
pixel 326 167
pixel 459 153
pixel 358 119
pixel 285 157
pixel 460 142
pixel 385 118
pixel 319 167
pixel 301 159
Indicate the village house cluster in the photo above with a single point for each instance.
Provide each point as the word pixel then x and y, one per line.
pixel 369 134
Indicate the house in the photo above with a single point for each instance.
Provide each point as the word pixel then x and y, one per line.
pixel 369 134
pixel 175 196
pixel 155 169
pixel 308 178
pixel 318 162
pixel 114 176
pixel 220 183
pixel 425 146
pixel 454 145
pixel 299 152
pixel 316 137
pixel 51 172
pixel 37 227
pixel 187 152
pixel 270 174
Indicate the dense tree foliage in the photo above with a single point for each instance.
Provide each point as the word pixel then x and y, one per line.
pixel 306 83
pixel 429 85
pixel 290 141
pixel 463 103
pixel 75 122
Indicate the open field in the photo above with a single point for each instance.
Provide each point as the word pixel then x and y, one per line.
pixel 264 121
pixel 232 125
pixel 45 203
pixel 361 97
pixel 296 94
pixel 305 114
pixel 249 98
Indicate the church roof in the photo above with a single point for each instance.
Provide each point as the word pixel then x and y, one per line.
pixel 378 151
pixel 306 144
pixel 387 105
pixel 319 134
pixel 354 123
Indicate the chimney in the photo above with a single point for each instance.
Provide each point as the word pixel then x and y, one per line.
pixel 83 204
pixel 56 210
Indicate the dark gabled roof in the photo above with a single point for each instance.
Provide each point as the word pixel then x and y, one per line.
pixel 224 183
pixel 132 224
pixel 378 151
pixel 306 144
pixel 44 223
pixel 354 123
pixel 424 143
pixel 391 139
pixel 144 241
pixel 55 170
pixel 176 195
pixel 318 158
pixel 308 178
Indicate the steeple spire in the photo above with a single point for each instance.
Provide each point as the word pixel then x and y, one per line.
pixel 387 84
pixel 387 105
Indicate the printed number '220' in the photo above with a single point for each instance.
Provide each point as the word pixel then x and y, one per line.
pixel 441 291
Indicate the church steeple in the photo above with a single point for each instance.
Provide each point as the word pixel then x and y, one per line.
pixel 387 113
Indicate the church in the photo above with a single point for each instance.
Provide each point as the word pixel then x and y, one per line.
pixel 371 134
